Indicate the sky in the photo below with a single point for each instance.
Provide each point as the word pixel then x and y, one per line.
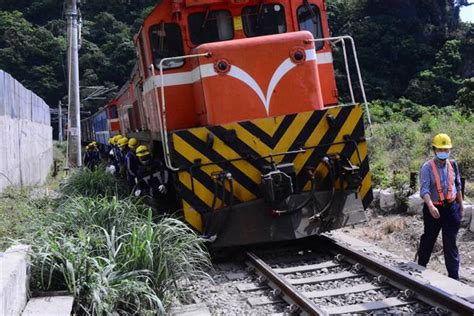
pixel 467 14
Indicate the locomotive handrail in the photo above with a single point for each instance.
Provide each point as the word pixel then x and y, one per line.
pixel 162 113
pixel 337 39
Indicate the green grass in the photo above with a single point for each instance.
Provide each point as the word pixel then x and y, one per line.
pixel 101 245
pixel 116 260
pixel 110 252
pixel 92 183
pixel 19 211
pixel 22 207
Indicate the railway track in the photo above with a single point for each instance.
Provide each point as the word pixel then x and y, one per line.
pixel 342 281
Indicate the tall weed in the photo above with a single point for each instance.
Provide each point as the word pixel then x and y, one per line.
pixel 93 183
pixel 115 257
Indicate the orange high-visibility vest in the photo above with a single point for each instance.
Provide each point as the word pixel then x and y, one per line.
pixel 449 197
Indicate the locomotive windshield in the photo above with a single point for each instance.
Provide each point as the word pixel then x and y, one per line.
pixel 166 41
pixel 264 19
pixel 210 26
pixel 309 19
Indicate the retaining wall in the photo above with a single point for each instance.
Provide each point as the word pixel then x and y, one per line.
pixel 26 144
pixel 14 268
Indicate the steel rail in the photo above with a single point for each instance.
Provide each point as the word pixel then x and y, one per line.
pixel 426 293
pixel 286 288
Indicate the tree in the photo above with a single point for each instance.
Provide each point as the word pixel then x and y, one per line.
pixel 32 55
pixel 465 95
pixel 439 84
pixel 395 39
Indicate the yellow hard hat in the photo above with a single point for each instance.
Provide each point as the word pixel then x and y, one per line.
pixel 111 140
pixel 123 142
pixel 142 151
pixel 116 139
pixel 133 143
pixel 442 141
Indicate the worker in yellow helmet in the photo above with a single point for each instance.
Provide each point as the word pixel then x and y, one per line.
pixel 122 145
pixel 115 155
pixel 440 188
pixel 93 159
pixel 153 181
pixel 131 162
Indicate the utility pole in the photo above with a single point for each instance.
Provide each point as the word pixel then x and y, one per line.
pixel 60 123
pixel 74 121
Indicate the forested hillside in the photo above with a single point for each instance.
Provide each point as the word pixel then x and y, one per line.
pixel 416 49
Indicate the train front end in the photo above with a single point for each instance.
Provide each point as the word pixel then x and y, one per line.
pixel 239 100
pixel 269 162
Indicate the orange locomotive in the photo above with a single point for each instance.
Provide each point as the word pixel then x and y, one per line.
pixel 239 100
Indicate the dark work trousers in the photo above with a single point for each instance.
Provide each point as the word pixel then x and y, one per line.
pixel 449 222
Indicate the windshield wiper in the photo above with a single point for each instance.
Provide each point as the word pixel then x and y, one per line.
pixel 311 12
pixel 161 35
pixel 206 18
pixel 259 14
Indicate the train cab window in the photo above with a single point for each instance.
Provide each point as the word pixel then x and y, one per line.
pixel 166 41
pixel 264 19
pixel 210 26
pixel 309 19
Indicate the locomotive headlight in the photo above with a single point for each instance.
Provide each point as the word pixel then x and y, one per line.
pixel 222 66
pixel 298 55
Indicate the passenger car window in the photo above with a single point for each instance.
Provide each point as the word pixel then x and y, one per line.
pixel 264 19
pixel 210 26
pixel 113 112
pixel 166 41
pixel 309 19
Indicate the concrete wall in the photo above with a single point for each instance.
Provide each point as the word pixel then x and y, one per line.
pixel 26 142
pixel 14 279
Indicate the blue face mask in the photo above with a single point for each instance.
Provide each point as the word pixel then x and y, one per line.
pixel 442 155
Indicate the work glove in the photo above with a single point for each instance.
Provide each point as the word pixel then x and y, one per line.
pixel 162 189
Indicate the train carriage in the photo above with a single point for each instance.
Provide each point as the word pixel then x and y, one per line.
pixel 100 127
pixel 240 101
pixel 87 133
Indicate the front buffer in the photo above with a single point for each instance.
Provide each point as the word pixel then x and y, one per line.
pixel 276 178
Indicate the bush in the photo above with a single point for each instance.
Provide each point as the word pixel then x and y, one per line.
pixel 100 286
pixel 81 211
pixel 113 256
pixel 401 144
pixel 93 183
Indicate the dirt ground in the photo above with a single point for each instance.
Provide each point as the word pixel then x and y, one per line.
pixel 400 234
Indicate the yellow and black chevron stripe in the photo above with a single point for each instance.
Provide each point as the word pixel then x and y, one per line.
pixel 244 149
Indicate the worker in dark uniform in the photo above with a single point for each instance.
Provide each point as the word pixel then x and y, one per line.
pixel 114 155
pixel 153 181
pixel 443 209
pixel 95 155
pixel 131 162
pixel 87 160
pixel 109 147
pixel 123 150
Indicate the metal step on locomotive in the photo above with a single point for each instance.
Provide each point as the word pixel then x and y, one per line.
pixel 238 98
